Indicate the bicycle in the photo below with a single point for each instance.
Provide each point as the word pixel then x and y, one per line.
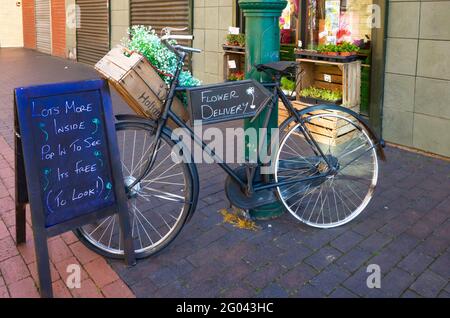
pixel 321 185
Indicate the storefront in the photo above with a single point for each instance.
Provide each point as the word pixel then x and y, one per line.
pixel 312 24
pixel 93 35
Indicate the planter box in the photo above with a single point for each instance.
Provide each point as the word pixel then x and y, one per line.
pixel 318 101
pixel 326 131
pixel 137 82
pixel 323 57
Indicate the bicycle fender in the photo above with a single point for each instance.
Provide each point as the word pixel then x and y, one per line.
pixel 146 122
pixel 380 142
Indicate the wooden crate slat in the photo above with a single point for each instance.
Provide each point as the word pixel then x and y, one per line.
pixel 152 79
pixel 142 94
pixel 110 70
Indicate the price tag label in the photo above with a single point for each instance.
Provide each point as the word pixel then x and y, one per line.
pixel 232 64
pixel 327 78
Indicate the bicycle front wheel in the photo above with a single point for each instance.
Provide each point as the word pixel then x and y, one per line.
pixel 340 196
pixel 159 203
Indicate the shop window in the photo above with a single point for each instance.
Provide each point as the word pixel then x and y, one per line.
pixel 336 21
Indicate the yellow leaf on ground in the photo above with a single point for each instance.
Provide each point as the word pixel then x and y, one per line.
pixel 237 220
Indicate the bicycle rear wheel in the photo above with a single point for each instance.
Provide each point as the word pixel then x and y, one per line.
pixel 338 198
pixel 159 204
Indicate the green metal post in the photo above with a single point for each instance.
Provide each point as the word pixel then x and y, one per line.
pixel 262 46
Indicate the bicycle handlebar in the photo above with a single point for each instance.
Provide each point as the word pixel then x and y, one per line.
pixel 177 48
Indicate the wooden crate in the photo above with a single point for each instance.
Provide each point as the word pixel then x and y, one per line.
pixel 137 82
pixel 345 76
pixel 236 54
pixel 327 131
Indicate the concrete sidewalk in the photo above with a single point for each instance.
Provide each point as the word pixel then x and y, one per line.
pixel 405 230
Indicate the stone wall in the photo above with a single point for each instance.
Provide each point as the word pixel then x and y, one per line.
pixel 11 32
pixel 417 88
pixel 120 20
pixel 211 21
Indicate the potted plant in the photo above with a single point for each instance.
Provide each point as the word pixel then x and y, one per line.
pixel 236 40
pixel 314 95
pixel 236 76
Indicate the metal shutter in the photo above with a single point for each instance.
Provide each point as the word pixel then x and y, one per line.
pixel 43 26
pixel 159 14
pixel 93 33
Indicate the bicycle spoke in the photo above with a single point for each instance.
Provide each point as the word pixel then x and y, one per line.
pixel 340 196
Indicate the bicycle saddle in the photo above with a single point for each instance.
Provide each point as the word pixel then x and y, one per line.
pixel 279 67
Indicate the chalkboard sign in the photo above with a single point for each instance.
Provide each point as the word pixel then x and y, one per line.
pixel 70 155
pixel 226 102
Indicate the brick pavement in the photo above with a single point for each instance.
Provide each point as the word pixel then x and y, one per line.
pixel 405 230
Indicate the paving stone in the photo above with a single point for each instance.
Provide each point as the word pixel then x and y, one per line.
pixel 329 279
pixel 342 292
pixel 432 246
pixel 347 241
pixel 33 271
pixel 239 292
pixel 167 274
pixel 394 284
pixel 88 290
pixel 14 269
pixel 374 242
pixel 60 290
pixel 117 289
pixel 403 244
pixel 24 288
pixel 310 291
pixel 145 288
pixel 357 283
pixel 442 266
pixel 297 277
pixel 354 259
pixel 410 294
pixel 421 229
pixel 4 292
pixel 323 258
pixel 100 272
pixel 58 250
pixel 415 263
pixel 444 294
pixel 83 254
pixel 294 256
pixel 273 291
pixel 264 275
pixel 429 284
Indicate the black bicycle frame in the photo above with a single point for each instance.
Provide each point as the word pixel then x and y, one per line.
pixel 277 93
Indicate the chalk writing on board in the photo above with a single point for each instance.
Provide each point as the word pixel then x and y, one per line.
pixel 70 143
pixel 229 101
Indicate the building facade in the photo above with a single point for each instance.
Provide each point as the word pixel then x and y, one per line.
pixel 416 110
pixel 415 99
pixel 11 34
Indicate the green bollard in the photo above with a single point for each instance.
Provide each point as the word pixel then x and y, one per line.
pixel 262 46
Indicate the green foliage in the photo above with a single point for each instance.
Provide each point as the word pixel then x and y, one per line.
pixel 287 84
pixel 145 41
pixel 236 39
pixel 342 47
pixel 320 93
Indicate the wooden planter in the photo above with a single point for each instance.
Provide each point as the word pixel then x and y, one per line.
pixel 326 131
pixel 137 82
pixel 236 54
pixel 345 77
